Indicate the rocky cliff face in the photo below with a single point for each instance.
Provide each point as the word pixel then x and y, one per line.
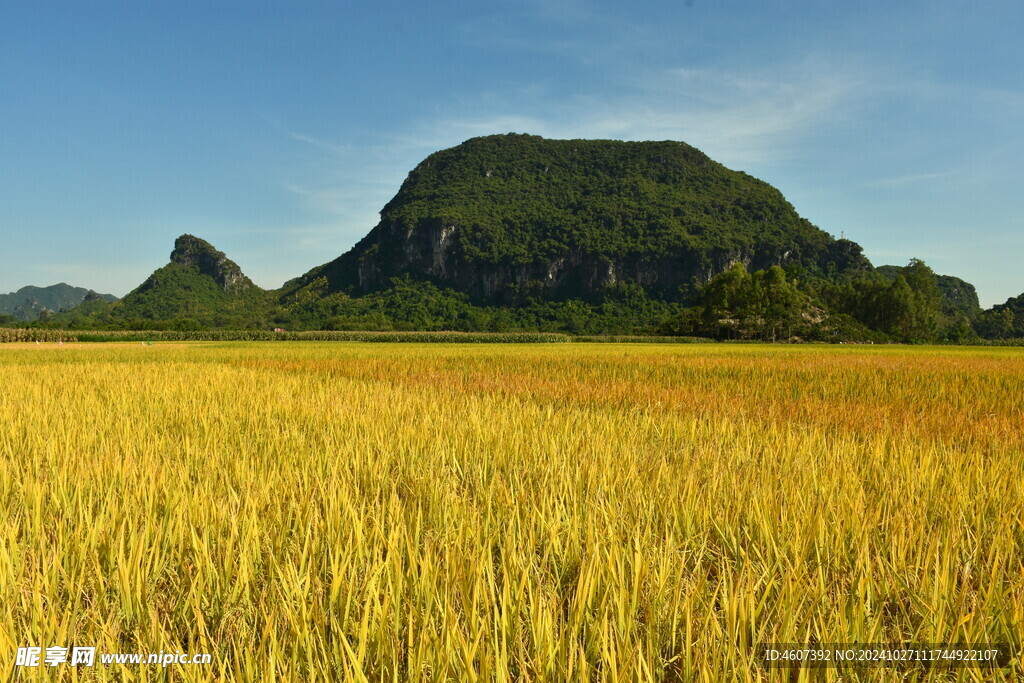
pixel 507 217
pixel 959 294
pixel 194 252
pixel 431 249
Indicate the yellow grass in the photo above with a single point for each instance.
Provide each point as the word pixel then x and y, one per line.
pixel 567 512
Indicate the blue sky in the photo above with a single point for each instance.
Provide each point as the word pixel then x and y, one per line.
pixel 277 130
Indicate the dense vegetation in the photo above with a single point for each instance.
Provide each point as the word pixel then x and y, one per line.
pixel 1004 320
pixel 522 198
pixel 175 296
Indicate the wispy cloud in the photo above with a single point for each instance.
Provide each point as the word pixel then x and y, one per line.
pixel 572 30
pixel 738 118
pixel 320 144
pixel 340 189
pixel 912 179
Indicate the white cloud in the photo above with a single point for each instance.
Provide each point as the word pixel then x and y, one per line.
pixel 912 179
pixel 737 118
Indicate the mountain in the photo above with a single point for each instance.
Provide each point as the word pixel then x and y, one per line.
pixel 28 303
pixel 503 218
pixel 199 287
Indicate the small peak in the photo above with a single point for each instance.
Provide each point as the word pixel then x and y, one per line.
pixel 188 248
pixel 194 252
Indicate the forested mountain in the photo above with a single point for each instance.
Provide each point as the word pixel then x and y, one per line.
pixel 28 303
pixel 515 232
pixel 505 218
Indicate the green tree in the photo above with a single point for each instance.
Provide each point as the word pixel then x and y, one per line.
pixel 927 301
pixel 996 324
pixel 782 304
pixel 896 308
pixel 726 301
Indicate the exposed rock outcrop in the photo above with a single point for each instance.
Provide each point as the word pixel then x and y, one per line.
pixel 193 251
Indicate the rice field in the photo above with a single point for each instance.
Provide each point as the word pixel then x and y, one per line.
pixel 345 511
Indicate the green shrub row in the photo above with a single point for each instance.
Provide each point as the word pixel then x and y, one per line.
pixel 8 335
pixel 447 337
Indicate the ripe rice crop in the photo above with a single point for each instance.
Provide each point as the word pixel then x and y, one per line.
pixel 343 511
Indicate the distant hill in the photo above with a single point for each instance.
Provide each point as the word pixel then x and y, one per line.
pixel 28 303
pixel 506 217
pixel 199 287
pixel 958 296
